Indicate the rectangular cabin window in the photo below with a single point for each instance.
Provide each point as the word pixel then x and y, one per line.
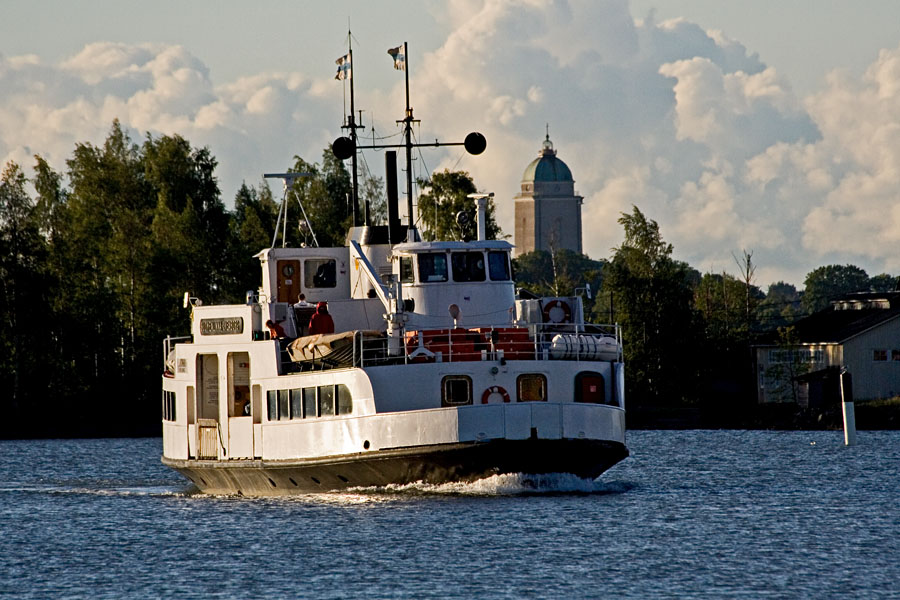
pixel 879 355
pixel 320 273
pixel 272 401
pixel 344 400
pixel 326 400
pixel 310 409
pixel 498 265
pixel 432 267
pixel 406 269
pixel 456 390
pixel 297 403
pixel 468 266
pixel 168 406
pixel 531 387
pixel 895 355
pixel 589 388
pixel 284 404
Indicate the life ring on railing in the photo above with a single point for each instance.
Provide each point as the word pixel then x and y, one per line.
pixel 553 309
pixel 496 389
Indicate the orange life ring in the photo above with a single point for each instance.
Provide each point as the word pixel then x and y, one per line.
pixel 567 312
pixel 495 389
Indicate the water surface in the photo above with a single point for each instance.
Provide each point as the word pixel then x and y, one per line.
pixel 692 514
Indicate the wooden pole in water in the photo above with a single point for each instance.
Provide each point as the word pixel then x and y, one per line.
pixel 847 405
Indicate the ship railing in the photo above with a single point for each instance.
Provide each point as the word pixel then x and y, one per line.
pixel 169 352
pixel 543 341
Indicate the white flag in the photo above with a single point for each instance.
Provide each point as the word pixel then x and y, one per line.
pixel 399 58
pixel 345 69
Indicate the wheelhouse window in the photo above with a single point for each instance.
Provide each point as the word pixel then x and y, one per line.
pixel 590 388
pixel 498 265
pixel 468 266
pixel 320 273
pixel 879 355
pixel 531 387
pixel 456 390
pixel 895 355
pixel 432 267
pixel 406 269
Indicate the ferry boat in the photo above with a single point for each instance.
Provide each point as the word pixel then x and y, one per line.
pixel 435 370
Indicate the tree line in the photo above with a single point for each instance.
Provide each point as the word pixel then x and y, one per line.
pixel 687 335
pixel 92 273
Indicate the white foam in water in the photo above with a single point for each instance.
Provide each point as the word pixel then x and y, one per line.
pixel 503 485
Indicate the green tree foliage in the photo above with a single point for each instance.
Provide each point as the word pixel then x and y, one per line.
pixel 253 226
pixel 325 198
pixel 22 286
pixel 780 307
pixel 652 297
pixel 561 273
pixel 445 198
pixel 826 283
pixel 883 283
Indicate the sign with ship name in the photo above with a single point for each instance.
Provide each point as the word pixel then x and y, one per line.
pixel 222 326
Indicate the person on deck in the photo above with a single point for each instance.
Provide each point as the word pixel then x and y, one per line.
pixel 276 331
pixel 301 302
pixel 321 321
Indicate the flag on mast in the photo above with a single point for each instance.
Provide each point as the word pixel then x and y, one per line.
pixel 399 57
pixel 345 69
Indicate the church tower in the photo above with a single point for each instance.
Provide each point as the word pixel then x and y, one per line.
pixel 548 213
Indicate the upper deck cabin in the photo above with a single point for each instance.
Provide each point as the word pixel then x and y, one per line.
pixel 476 277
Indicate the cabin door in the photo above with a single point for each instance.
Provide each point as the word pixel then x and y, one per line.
pixel 208 430
pixel 240 421
pixel 288 280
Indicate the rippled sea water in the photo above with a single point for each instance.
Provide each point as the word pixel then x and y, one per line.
pixel 691 514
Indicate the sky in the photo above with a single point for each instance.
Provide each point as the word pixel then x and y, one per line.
pixel 771 127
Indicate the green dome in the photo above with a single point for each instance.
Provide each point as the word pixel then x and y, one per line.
pixel 546 167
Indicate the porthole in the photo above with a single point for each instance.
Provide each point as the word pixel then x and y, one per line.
pixel 287 270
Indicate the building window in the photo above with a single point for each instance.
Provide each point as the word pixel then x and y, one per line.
pixel 895 355
pixel 320 273
pixel 498 264
pixel 432 267
pixel 590 388
pixel 531 387
pixel 468 266
pixel 456 390
pixel 879 355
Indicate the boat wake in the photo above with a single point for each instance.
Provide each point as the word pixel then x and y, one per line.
pixel 515 484
pixel 95 488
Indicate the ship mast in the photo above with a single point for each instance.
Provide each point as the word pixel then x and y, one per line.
pixel 346 147
pixel 352 126
pixel 407 130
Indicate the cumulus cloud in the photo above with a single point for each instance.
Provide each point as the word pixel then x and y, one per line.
pixel 251 125
pixel 685 123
